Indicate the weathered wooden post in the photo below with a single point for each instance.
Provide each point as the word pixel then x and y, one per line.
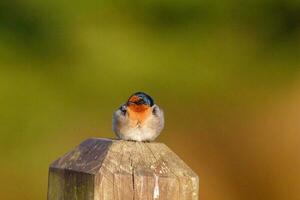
pixel 104 169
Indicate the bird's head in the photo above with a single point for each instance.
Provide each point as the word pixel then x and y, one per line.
pixel 139 102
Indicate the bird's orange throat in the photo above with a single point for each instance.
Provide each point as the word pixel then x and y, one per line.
pixel 138 108
pixel 139 112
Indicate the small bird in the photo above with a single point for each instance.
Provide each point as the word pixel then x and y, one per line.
pixel 139 119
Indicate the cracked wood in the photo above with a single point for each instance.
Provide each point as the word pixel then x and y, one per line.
pixel 104 169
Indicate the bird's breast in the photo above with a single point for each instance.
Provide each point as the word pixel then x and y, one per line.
pixel 139 113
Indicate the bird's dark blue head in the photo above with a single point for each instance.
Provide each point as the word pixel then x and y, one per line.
pixel 140 98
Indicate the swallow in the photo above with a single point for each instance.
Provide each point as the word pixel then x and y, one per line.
pixel 139 119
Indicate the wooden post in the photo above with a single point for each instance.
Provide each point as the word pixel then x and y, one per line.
pixel 104 169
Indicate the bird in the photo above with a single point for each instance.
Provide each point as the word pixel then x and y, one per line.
pixel 139 119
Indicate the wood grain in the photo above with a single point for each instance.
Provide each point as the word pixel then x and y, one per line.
pixel 104 169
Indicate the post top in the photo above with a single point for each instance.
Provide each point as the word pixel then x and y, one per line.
pixel 97 155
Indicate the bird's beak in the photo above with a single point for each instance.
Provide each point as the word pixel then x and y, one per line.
pixel 129 103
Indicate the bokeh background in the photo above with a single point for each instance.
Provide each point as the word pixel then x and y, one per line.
pixel 226 73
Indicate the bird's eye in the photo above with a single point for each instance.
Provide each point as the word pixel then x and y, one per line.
pixel 123 109
pixel 154 111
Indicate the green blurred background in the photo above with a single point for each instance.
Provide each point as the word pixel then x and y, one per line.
pixel 226 74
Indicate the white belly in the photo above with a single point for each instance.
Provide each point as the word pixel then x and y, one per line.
pixel 139 134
